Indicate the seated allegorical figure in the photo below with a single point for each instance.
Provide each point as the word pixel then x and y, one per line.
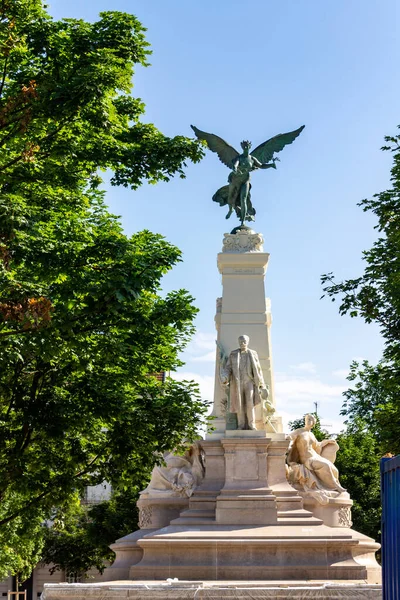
pixel 178 476
pixel 310 463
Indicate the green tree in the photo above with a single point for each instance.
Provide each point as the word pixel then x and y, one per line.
pixel 80 536
pixel 375 296
pixel 358 464
pixel 82 322
pixel 371 404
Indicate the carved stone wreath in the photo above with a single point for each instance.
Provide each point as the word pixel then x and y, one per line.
pixel 345 517
pixel 243 241
pixel 145 516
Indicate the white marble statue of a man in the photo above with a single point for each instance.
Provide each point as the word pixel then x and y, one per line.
pixel 310 462
pixel 243 374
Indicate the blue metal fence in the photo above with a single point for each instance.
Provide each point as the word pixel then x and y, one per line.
pixel 390 490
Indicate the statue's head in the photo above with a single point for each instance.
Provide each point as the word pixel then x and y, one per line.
pixel 243 342
pixel 246 145
pixel 310 421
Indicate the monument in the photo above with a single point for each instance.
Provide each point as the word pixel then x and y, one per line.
pixel 248 507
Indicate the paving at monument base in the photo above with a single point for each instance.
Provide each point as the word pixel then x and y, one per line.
pixel 186 590
pixel 248 512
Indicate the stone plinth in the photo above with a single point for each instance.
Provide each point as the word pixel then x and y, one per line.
pixel 246 497
pixel 153 514
pixel 335 512
pixel 307 552
pixel 243 309
pixel 245 522
pixel 198 590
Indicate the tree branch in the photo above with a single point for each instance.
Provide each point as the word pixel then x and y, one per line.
pixel 4 75
pixel 45 493
pixel 11 163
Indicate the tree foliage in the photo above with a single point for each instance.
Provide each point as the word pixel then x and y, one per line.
pixel 375 296
pixel 80 536
pixel 358 464
pixel 82 323
pixel 372 403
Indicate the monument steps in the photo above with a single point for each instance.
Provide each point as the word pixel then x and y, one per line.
pixel 300 512
pixel 297 521
pixel 253 553
pixel 193 521
pixel 297 517
pixel 198 512
pixel 283 519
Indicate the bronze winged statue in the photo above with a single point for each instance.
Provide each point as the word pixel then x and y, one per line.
pixel 237 193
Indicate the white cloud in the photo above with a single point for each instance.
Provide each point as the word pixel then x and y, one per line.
pixel 201 348
pixel 206 382
pixel 333 425
pixel 341 373
pixel 304 388
pixel 305 367
pixel 202 341
pixel 296 394
pixel 209 357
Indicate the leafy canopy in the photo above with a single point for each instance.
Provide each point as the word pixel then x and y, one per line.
pixel 82 323
pixel 375 296
pixel 358 464
pixel 372 403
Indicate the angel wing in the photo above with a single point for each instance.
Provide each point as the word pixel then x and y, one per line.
pixel 226 153
pixel 264 152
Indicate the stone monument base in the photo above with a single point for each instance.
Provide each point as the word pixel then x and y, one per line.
pixel 246 523
pixel 216 590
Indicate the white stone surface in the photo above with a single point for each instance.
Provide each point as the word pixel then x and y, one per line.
pixel 176 475
pixel 243 309
pixel 311 467
pixel 243 241
pixel 217 590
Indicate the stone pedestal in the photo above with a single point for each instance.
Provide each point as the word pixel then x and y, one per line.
pixel 153 514
pixel 335 512
pixel 250 524
pixel 246 498
pixel 243 309
pixel 210 590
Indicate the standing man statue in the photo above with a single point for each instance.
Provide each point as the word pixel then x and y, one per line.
pixel 243 374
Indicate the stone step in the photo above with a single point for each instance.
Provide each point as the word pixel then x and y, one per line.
pixel 193 521
pixel 198 512
pixel 299 521
pixel 301 513
pixel 293 499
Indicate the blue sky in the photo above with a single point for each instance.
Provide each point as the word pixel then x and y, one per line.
pixel 252 70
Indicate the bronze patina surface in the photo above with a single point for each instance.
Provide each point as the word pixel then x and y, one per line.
pixel 237 193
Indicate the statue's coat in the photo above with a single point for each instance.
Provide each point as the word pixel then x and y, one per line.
pixel 233 373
